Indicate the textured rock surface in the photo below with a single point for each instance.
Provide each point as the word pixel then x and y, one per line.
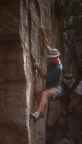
pixel 54 112
pixel 20 36
pixel 74 129
pixel 65 141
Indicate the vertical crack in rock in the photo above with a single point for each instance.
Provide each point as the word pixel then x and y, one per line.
pixel 29 26
pixel 38 8
pixel 58 9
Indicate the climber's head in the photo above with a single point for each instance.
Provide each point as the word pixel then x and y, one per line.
pixel 53 55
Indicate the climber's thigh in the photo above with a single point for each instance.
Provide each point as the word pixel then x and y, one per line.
pixel 47 93
pixel 52 92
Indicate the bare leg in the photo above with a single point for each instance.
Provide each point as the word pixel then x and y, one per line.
pixel 38 92
pixel 44 95
pixel 41 102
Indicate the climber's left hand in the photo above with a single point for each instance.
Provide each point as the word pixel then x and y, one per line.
pixel 36 65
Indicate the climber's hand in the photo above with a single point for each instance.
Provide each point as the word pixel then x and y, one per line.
pixel 36 65
pixel 43 29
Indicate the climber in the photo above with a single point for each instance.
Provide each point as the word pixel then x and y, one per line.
pixel 52 76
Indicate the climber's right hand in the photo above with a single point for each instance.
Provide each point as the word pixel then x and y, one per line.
pixel 43 29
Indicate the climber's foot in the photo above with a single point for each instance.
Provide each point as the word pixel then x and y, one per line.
pixel 36 116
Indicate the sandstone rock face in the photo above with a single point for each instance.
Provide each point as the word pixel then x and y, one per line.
pixel 20 37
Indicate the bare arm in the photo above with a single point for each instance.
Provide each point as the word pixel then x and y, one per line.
pixel 41 73
pixel 46 43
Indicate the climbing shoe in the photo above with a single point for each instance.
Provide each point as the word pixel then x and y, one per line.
pixel 41 115
pixel 36 116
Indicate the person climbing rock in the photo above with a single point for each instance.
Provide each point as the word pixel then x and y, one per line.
pixel 53 75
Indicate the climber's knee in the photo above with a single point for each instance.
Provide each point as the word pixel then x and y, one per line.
pixel 47 93
pixel 44 94
pixel 38 90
